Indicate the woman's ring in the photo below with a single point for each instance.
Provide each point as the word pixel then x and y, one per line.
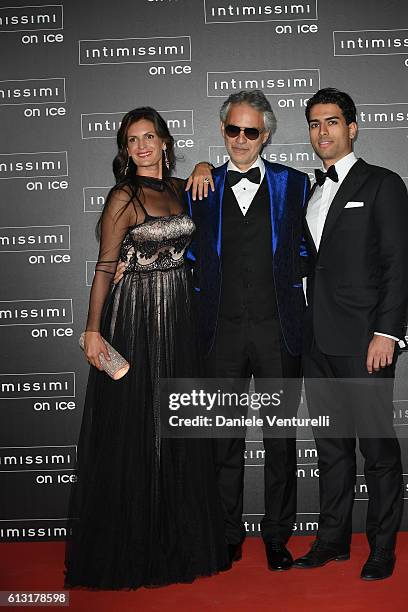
pixel 206 180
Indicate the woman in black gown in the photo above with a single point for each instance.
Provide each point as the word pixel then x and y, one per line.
pixel 145 510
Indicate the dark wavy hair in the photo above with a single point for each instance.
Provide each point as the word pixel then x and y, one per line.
pixel 330 95
pixel 124 168
pixel 122 158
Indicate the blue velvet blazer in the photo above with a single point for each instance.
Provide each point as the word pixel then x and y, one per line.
pixel 288 190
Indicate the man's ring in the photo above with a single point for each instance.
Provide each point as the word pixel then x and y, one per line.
pixel 206 180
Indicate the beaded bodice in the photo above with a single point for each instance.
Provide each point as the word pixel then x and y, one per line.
pixel 146 243
pixel 159 243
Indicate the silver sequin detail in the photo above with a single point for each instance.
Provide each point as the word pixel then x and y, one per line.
pixel 157 243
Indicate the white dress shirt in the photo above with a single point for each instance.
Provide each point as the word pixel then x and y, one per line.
pixel 245 190
pixel 323 196
pixel 320 202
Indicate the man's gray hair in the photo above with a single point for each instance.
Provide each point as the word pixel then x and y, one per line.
pixel 255 98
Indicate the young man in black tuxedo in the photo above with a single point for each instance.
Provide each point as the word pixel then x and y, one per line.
pixel 357 293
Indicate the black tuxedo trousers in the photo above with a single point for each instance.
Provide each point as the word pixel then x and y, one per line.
pixel 363 409
pixel 357 285
pixel 245 348
pixel 249 342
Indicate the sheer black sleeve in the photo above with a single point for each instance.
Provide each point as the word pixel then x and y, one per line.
pixel 115 223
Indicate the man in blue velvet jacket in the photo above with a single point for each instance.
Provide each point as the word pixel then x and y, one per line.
pixel 247 256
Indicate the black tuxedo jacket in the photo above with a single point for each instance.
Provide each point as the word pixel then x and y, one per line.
pixel 358 279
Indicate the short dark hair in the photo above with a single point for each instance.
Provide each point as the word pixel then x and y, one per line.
pixel 331 95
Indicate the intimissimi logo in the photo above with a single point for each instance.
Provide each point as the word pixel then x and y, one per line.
pixel 37 385
pixel 272 82
pixel 36 312
pixel 30 18
pixel 219 11
pixel 382 116
pixel 32 458
pixel 35 238
pixel 106 125
pixel 33 165
pixel 135 50
pixel 370 42
pixel 32 91
pixel 297 155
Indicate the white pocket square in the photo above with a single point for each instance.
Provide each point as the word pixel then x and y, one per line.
pixel 354 205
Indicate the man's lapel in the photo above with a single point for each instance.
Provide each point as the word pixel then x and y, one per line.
pixel 277 186
pixel 309 237
pixel 353 181
pixel 215 202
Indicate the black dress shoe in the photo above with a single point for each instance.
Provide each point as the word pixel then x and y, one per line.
pixel 379 565
pixel 235 552
pixel 279 558
pixel 320 554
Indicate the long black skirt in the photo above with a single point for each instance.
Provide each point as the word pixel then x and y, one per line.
pixel 145 510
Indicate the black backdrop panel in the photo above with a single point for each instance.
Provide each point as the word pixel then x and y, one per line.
pixel 72 70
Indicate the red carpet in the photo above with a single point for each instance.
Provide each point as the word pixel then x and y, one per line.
pixel 248 587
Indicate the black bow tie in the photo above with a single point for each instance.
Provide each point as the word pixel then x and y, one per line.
pixel 253 175
pixel 322 176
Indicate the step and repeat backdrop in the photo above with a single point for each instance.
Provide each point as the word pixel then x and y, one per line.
pixel 72 71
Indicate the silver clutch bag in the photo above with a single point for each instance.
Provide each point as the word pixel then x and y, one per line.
pixel 117 367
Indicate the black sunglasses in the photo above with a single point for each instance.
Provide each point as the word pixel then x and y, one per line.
pixel 251 133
